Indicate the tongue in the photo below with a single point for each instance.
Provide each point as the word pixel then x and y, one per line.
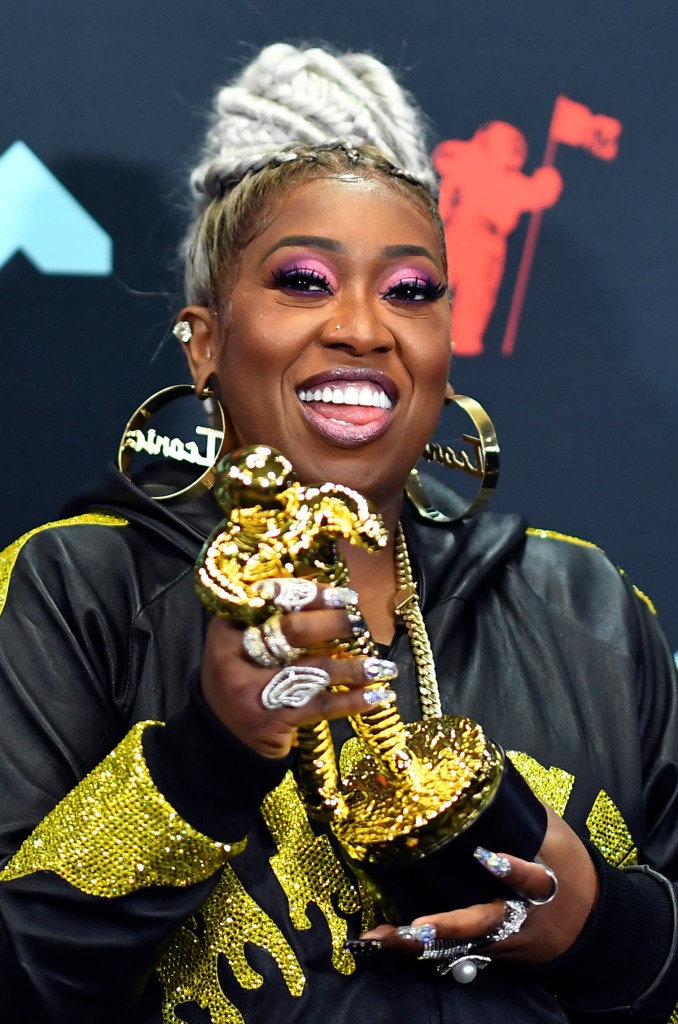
pixel 356 414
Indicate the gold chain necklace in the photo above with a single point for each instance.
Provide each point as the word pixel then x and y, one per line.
pixel 407 607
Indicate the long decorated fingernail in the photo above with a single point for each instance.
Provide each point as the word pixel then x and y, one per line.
pixel 381 695
pixel 497 865
pixel 363 947
pixel 357 623
pixel 378 670
pixel 418 932
pixel 339 597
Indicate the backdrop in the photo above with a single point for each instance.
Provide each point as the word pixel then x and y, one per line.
pixel 555 124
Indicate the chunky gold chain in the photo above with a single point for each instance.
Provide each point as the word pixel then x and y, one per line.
pixel 407 606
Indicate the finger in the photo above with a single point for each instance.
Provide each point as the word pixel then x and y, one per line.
pixel 468 923
pixel 315 628
pixel 290 594
pixel 330 705
pixel 534 881
pixel 354 671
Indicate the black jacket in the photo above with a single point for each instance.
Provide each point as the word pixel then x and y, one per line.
pixel 537 637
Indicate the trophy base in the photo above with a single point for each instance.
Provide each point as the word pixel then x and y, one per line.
pixel 448 877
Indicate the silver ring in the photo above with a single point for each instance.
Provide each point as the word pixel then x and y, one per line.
pixel 444 949
pixel 255 648
pixel 277 643
pixel 459 958
pixel 514 919
pixel 294 687
pixel 554 891
pixel 290 594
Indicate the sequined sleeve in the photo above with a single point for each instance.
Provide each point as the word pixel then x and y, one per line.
pixel 115 833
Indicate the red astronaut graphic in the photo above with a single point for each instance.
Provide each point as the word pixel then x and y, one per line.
pixel 483 194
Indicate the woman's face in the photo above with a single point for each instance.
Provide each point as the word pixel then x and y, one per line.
pixel 336 344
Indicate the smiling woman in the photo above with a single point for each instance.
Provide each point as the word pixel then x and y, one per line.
pixel 166 857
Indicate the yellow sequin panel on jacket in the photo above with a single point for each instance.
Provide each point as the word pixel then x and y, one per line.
pixel 550 784
pixel 308 869
pixel 9 556
pixel 116 833
pixel 609 832
pixel 189 968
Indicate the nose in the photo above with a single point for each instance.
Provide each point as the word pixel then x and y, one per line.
pixel 358 326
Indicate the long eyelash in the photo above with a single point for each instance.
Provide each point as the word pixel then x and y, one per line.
pixel 284 276
pixel 428 291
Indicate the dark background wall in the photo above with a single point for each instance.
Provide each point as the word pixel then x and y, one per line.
pixel 111 97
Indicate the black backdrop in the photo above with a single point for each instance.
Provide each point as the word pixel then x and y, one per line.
pixel 110 98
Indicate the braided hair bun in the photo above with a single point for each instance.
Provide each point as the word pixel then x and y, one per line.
pixel 289 96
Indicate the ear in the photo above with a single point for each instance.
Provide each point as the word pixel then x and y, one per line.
pixel 204 344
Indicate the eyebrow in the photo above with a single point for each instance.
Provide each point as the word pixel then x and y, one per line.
pixel 331 245
pixel 391 251
pixel 315 241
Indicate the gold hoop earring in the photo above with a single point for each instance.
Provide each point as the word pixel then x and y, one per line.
pixel 485 464
pixel 135 437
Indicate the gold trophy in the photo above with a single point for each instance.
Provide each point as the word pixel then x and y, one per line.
pixel 418 798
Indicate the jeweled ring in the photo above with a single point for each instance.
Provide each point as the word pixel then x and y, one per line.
pixel 289 594
pixel 294 686
pixel 277 643
pixel 537 902
pixel 256 649
pixel 445 949
pixel 514 919
pixel 459 958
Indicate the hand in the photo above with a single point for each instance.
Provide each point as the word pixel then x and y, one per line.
pixel 232 683
pixel 548 931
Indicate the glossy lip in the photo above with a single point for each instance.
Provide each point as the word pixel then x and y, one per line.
pixel 349 435
pixel 348 373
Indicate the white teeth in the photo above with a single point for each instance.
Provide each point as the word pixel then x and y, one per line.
pixel 349 395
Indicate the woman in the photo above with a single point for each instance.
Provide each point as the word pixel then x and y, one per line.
pixel 181 879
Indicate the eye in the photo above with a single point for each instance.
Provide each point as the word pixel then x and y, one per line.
pixel 415 289
pixel 301 280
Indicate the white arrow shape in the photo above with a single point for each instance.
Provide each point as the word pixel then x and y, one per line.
pixel 41 219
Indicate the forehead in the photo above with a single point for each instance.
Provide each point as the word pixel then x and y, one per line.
pixel 364 214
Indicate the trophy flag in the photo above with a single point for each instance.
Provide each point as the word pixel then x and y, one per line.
pixel 572 124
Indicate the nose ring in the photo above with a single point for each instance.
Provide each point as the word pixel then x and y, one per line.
pixel 338 327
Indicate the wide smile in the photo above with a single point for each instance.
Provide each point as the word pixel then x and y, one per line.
pixel 347 406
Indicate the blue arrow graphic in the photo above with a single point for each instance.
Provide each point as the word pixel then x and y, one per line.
pixel 40 218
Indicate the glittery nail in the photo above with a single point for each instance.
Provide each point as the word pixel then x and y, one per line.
pixel 357 623
pixel 418 932
pixel 492 862
pixel 339 597
pixel 383 695
pixel 378 670
pixel 363 947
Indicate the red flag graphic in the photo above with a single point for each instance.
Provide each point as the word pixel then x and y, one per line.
pixel 572 124
pixel 575 125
